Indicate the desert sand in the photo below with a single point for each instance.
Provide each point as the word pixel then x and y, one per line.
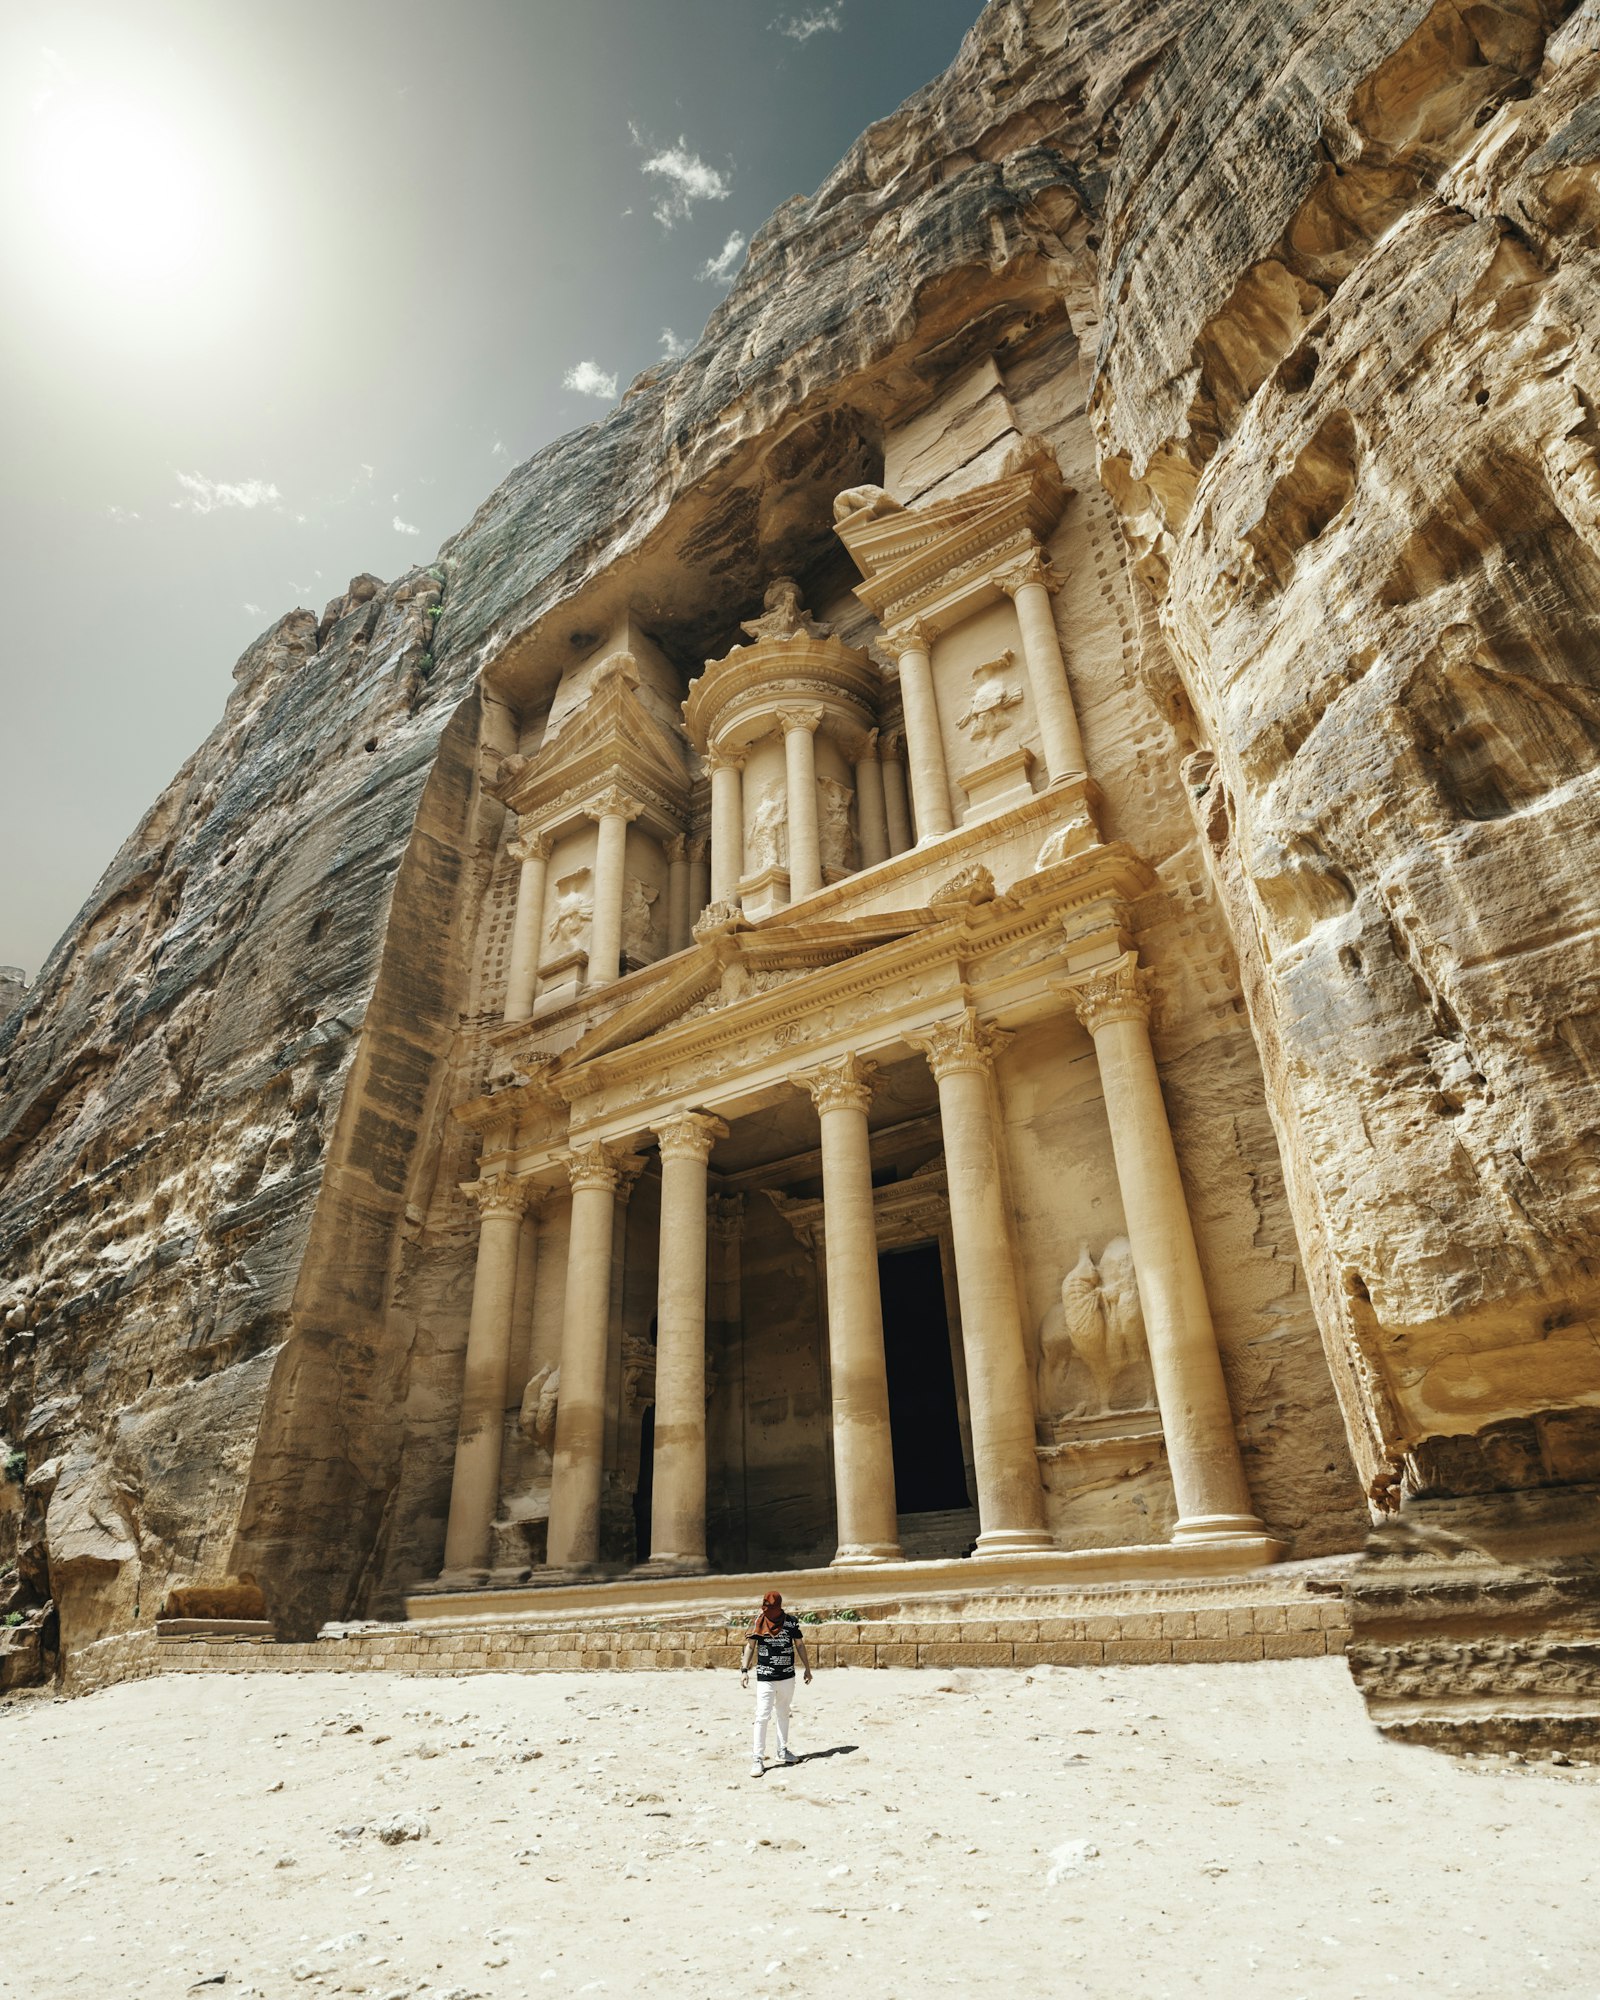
pixel 1230 1830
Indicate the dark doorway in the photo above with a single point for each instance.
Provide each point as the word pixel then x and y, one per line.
pixel 642 1492
pixel 928 1472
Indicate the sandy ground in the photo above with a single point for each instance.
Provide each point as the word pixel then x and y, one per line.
pixel 1137 1831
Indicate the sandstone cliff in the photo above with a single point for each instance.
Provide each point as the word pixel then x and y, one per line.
pixel 1334 267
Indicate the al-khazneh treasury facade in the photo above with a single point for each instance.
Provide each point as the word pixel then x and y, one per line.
pixel 828 1202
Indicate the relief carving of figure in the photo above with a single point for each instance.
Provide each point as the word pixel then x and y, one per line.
pixel 570 919
pixel 638 920
pixel 782 616
pixel 833 823
pixel 767 844
pixel 1092 1355
pixel 537 1418
pixel 986 713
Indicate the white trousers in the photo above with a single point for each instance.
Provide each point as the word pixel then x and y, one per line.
pixel 773 1698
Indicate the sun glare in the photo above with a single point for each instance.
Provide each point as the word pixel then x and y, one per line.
pixel 120 193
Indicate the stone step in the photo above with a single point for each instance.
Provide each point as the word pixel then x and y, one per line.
pixel 951 1532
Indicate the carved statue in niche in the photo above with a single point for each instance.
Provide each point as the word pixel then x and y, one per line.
pixel 570 918
pixel 638 920
pixel 767 844
pixel 537 1418
pixel 987 711
pixel 870 500
pixel 782 616
pixel 1092 1354
pixel 833 823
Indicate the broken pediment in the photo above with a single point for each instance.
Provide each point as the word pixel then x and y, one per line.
pixel 612 740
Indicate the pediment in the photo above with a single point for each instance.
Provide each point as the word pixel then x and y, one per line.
pixel 742 964
pixel 612 738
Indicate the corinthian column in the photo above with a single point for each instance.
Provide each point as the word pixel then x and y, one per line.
pixel 863 1455
pixel 895 809
pixel 678 918
pixel 930 782
pixel 1202 1450
pixel 612 811
pixel 574 1536
pixel 999 1383
pixel 1029 584
pixel 799 726
pixel 871 816
pixel 522 979
pixel 475 1484
pixel 678 1488
pixel 699 879
pixel 727 825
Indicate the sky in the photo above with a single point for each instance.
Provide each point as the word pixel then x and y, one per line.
pixel 287 287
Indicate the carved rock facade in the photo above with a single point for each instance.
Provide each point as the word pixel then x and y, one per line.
pixel 1114 650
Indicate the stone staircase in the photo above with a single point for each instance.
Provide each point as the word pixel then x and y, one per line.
pixel 950 1533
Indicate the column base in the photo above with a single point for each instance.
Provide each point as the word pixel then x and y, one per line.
pixel 1219 1528
pixel 458 1579
pixel 867 1552
pixel 672 1566
pixel 1013 1542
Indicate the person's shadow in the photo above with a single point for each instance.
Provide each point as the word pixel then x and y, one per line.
pixel 816 1756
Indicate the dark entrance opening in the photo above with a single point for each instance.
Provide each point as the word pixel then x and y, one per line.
pixel 642 1492
pixel 926 1432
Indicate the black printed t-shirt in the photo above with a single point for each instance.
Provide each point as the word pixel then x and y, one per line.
pixel 775 1651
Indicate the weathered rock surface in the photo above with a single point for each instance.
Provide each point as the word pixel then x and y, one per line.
pixel 1334 268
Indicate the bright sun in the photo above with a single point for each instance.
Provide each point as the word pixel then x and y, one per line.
pixel 120 192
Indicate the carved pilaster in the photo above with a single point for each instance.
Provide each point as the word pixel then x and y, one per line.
pixel 846 1083
pixel 963 1044
pixel 676 849
pixel 725 1217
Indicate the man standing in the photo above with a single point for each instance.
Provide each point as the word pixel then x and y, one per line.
pixel 773 1642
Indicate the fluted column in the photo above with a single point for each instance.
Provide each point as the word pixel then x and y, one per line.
pixel 1202 1450
pixel 475 1483
pixel 522 977
pixel 699 879
pixel 871 820
pixel 1029 585
pixel 727 825
pixel 1011 1515
pixel 896 809
pixel 930 782
pixel 611 811
pixel 678 918
pixel 863 1455
pixel 799 726
pixel 574 1536
pixel 678 1487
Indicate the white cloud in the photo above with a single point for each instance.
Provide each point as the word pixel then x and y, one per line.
pixel 205 496
pixel 820 21
pixel 672 348
pixel 120 514
pixel 688 180
pixel 498 449
pixel 252 611
pixel 404 527
pixel 590 379
pixel 725 263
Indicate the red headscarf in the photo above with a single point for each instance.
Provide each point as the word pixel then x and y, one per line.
pixel 771 1620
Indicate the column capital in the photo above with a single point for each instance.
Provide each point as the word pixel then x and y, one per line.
pixel 599 1165
pixel 791 719
pixel 725 1216
pixel 613 803
pixel 913 636
pixel 530 845
pixel 845 1084
pixel 1034 567
pixel 1120 991
pixel 497 1195
pixel 690 1135
pixel 719 758
pixel 859 745
pixel 963 1044
pixel 891 745
pixel 676 849
pixel 699 847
